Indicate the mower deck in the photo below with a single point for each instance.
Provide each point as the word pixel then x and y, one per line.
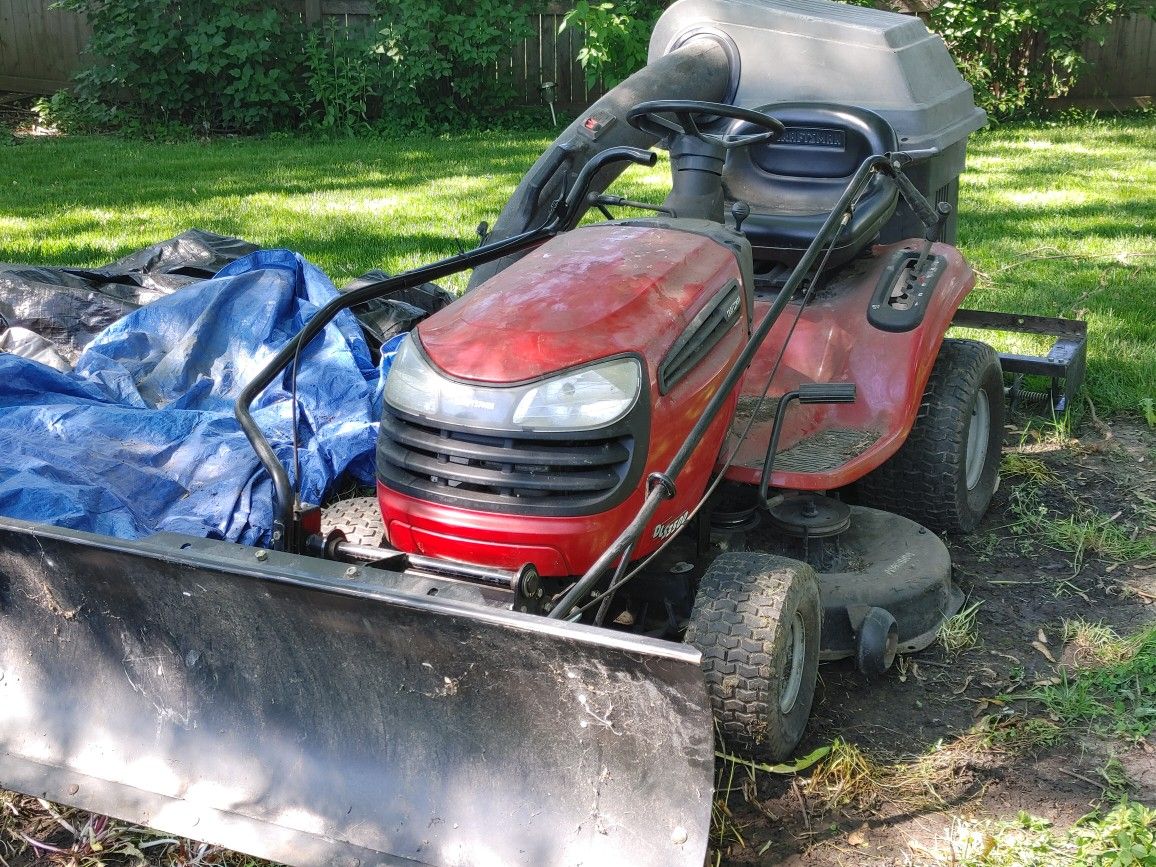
pixel 881 560
pixel 884 561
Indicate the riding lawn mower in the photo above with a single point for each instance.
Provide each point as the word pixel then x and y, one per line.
pixel 632 487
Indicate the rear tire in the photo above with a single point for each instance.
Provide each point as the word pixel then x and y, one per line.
pixel 946 472
pixel 359 518
pixel 756 619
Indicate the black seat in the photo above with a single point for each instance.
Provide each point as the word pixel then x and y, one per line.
pixel 793 183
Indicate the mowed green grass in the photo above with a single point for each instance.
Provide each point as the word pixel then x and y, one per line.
pixel 348 206
pixel 1059 218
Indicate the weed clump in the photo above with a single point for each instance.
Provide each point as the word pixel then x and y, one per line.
pixel 960 632
pixel 1116 697
pixel 1124 836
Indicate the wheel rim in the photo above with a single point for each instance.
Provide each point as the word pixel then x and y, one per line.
pixel 891 647
pixel 796 660
pixel 978 434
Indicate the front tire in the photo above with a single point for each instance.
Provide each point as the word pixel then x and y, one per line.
pixel 946 472
pixel 359 518
pixel 756 619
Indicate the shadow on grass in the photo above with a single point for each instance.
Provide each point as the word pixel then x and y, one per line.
pixel 94 173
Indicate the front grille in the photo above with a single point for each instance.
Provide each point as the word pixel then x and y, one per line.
pixel 515 472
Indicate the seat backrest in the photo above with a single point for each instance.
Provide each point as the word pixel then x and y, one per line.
pixel 808 168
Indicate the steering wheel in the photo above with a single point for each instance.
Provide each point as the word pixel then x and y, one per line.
pixel 650 118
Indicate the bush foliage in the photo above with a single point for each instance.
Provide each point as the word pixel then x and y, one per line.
pixel 616 37
pixel 251 66
pixel 442 58
pixel 210 64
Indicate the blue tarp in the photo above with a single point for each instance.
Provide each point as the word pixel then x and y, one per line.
pixel 141 436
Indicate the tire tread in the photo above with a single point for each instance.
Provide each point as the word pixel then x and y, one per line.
pixel 742 599
pixel 921 481
pixel 358 517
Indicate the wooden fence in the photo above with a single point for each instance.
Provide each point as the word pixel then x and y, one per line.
pixel 546 57
pixel 1121 73
pixel 41 47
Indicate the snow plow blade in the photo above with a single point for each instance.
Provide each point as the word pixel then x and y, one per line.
pixel 271 703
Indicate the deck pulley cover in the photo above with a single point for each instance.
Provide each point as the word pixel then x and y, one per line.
pixel 811 516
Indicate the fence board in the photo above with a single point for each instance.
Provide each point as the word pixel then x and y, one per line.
pixel 548 34
pixel 24 39
pixel 517 66
pixel 361 8
pixel 1121 73
pixel 535 76
pixel 570 89
pixel 40 46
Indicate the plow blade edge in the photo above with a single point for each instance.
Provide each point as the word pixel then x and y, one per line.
pixel 272 704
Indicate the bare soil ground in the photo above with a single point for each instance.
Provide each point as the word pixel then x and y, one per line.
pixel 918 724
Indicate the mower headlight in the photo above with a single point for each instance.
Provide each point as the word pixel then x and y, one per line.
pixel 585 399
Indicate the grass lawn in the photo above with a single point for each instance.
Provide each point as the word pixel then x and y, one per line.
pixel 349 206
pixel 1059 218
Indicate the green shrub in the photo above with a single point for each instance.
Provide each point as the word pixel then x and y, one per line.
pixel 1018 53
pixel 342 74
pixel 67 111
pixel 442 59
pixel 210 64
pixel 248 66
pixel 616 37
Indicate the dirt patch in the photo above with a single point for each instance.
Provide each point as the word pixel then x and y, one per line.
pixel 936 720
pixel 16 115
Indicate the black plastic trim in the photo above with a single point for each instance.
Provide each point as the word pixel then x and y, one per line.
pixel 431 438
pixel 882 315
pixel 725 42
pixel 709 326
pixel 517 479
pixel 556 474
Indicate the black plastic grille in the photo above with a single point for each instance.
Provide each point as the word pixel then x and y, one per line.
pixel 515 472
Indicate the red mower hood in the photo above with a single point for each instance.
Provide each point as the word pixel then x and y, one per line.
pixel 584 295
